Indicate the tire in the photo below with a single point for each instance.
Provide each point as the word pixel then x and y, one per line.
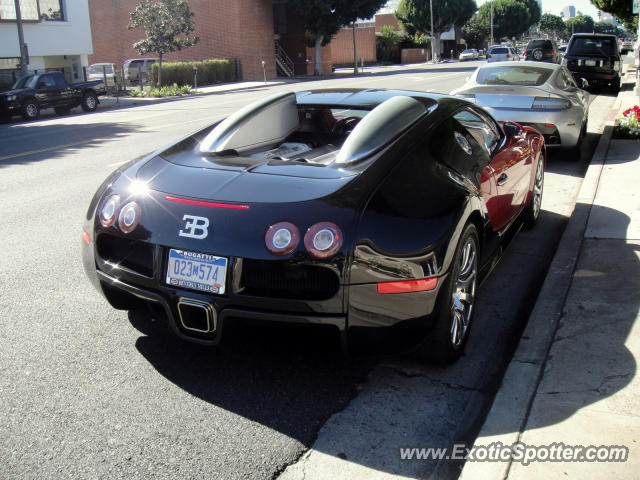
pixel 30 109
pixel 575 153
pixel 532 211
pixel 454 311
pixel 615 85
pixel 62 110
pixel 89 102
pixel 537 54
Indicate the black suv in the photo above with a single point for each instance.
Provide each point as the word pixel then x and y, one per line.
pixel 542 50
pixel 594 57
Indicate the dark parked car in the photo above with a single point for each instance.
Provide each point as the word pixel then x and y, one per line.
pixel 594 57
pixel 33 93
pixel 370 211
pixel 542 50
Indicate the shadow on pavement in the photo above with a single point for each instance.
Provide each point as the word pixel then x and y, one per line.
pixel 589 361
pixel 46 141
pixel 288 379
pixel 292 379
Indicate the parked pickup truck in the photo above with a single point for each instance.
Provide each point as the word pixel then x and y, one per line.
pixel 33 93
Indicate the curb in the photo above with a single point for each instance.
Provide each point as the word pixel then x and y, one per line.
pixel 509 413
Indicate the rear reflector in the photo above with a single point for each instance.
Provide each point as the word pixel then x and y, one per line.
pixel 86 238
pixel 207 204
pixel 406 286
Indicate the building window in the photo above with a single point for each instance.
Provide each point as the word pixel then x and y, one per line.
pixel 51 10
pixel 32 10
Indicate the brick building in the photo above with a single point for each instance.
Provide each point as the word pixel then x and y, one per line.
pixel 242 30
pixel 341 46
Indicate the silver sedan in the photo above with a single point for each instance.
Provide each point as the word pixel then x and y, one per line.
pixel 540 95
pixel 469 54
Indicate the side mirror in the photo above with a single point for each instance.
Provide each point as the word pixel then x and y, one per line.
pixel 583 83
pixel 512 129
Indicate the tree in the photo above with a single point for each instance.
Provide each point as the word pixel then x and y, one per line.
pixel 552 25
pixel 605 27
pixel 510 18
pixel 323 18
pixel 534 11
pixel 387 41
pixel 580 24
pixel 167 25
pixel 631 25
pixel 474 32
pixel 623 9
pixel 416 18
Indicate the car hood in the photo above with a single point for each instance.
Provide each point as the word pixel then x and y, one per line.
pixel 16 91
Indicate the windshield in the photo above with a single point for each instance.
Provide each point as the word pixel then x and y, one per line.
pixel 591 45
pixel 25 82
pixel 467 51
pixel 539 44
pixel 499 50
pixel 517 75
pixel 108 68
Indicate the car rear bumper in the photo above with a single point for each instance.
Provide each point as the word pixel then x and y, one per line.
pixel 560 127
pixel 365 310
pixel 189 328
pixel 595 77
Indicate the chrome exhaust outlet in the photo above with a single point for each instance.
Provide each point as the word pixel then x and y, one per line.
pixel 197 316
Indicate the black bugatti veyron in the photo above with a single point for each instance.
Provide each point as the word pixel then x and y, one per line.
pixel 367 210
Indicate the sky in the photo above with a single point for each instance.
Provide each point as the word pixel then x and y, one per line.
pixel 548 6
pixel 556 6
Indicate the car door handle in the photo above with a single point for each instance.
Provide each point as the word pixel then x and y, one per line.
pixel 502 179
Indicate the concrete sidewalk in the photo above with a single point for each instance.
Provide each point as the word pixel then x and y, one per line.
pixel 573 379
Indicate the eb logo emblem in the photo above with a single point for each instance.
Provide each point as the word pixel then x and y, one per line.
pixel 195 227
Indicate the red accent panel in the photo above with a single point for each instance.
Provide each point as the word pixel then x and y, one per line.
pixel 406 286
pixel 207 204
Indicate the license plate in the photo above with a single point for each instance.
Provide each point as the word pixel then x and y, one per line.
pixel 196 271
pixel 590 63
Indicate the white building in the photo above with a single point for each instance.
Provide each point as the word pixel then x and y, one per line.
pixel 57 34
pixel 568 12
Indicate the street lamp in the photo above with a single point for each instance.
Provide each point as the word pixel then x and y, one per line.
pixel 433 43
pixel 491 41
pixel 23 51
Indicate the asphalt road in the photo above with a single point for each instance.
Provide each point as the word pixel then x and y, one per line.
pixel 89 392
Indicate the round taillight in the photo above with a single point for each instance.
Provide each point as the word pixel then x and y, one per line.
pixel 323 239
pixel 109 210
pixel 282 238
pixel 129 217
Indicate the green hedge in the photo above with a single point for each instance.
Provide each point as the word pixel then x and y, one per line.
pixel 181 73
